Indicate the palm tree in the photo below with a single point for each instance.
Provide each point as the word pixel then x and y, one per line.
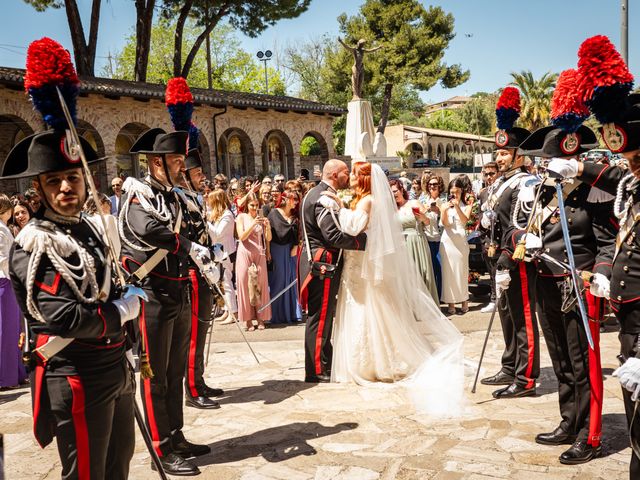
pixel 536 98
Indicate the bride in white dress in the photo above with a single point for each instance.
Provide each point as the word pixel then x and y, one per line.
pixel 387 328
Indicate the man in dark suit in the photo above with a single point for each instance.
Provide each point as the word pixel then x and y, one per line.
pixel 323 243
pixel 116 186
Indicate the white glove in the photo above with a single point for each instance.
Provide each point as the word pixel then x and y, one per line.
pixel 219 255
pixel 629 376
pixel 503 279
pixel 128 307
pixel 564 168
pixel 488 218
pixel 328 202
pixel 200 255
pixel 600 286
pixel 212 272
pixel 533 242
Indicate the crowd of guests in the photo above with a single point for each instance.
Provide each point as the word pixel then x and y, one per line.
pixel 257 223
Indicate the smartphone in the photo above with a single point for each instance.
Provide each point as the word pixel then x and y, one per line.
pixel 415 210
pixel 316 170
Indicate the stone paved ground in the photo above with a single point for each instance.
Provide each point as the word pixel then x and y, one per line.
pixel 274 426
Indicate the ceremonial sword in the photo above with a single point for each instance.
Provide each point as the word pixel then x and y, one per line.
pixel 572 262
pixel 486 339
pixel 111 252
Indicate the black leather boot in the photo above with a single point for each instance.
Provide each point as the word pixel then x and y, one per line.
pixel 176 465
pixel 580 452
pixel 557 437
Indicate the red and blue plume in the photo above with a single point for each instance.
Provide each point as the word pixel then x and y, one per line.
pixel 180 105
pixel 508 108
pixel 605 80
pixel 49 66
pixel 568 110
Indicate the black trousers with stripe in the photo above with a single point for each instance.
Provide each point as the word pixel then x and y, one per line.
pixel 201 304
pixel 568 348
pixel 521 357
pixel 94 423
pixel 322 299
pixel 165 323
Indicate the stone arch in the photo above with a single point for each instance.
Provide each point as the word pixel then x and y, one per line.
pixel 430 151
pixel 415 151
pixel 235 152
pixel 314 158
pixel 99 170
pixel 205 155
pixel 447 154
pixel 440 154
pixel 12 129
pixel 126 163
pixel 277 154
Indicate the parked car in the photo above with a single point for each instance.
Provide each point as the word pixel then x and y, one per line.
pixel 425 163
pixel 597 154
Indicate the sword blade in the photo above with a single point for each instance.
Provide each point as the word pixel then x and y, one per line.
pixel 278 295
pixel 574 274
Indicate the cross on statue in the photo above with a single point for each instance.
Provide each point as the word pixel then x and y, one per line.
pixel 357 71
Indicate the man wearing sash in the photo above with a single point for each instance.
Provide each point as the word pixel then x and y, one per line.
pixel 622 137
pixel 514 283
pixel 82 385
pixel 575 364
pixel 156 251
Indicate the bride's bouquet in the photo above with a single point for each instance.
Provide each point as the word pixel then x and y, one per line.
pixel 345 196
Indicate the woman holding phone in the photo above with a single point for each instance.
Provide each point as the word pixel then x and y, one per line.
pixel 454 248
pixel 413 218
pixel 432 189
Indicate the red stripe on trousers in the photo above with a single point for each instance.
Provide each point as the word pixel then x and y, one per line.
pixel 148 401
pixel 528 321
pixel 323 317
pixel 594 305
pixel 191 365
pixel 39 374
pixel 80 426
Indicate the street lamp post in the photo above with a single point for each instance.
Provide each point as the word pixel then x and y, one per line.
pixel 264 57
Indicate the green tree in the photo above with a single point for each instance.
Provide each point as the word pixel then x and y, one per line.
pixel 413 39
pixel 479 114
pixel 536 98
pixel 446 120
pixel 84 51
pixel 250 17
pixel 310 146
pixel 232 67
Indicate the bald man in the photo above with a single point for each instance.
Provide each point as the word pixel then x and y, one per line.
pixel 320 267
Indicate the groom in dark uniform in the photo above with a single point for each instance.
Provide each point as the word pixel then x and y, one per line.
pixel 320 269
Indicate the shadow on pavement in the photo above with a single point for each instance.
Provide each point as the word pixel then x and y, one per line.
pixel 615 436
pixel 7 397
pixel 275 444
pixel 271 392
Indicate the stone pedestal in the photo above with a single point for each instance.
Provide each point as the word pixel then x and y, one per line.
pixel 359 121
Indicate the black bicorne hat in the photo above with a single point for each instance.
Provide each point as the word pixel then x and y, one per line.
pixel 157 141
pixel 510 138
pixel 193 160
pixel 624 136
pixel 45 152
pixel 549 142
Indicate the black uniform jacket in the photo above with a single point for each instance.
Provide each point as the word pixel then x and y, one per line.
pixel 592 230
pixel 175 265
pixel 323 233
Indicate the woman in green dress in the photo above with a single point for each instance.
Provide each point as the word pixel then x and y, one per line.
pixel 413 219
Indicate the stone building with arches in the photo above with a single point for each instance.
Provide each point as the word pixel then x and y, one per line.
pixel 240 133
pixel 451 149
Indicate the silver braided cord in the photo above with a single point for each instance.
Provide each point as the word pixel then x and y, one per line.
pixel 628 183
pixel 42 242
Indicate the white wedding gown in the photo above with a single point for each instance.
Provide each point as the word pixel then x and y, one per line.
pixel 387 328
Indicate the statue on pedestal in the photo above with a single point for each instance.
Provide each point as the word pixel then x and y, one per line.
pixel 357 71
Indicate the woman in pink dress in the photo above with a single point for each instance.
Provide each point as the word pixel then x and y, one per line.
pixel 254 233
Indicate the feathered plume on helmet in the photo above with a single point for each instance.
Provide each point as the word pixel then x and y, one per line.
pixel 605 80
pixel 508 108
pixel 568 110
pixel 179 102
pixel 49 66
pixel 605 84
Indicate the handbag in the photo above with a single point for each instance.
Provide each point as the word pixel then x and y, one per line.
pixel 255 292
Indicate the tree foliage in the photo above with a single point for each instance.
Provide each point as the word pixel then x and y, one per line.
pixel 536 98
pixel 232 67
pixel 248 17
pixel 414 41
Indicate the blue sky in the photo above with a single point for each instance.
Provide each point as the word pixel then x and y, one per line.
pixel 506 35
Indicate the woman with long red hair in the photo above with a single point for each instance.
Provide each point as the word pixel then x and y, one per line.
pixel 387 327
